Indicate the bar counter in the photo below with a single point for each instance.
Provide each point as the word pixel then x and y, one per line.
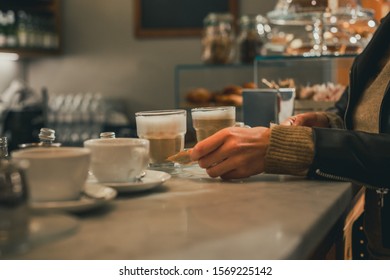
pixel 192 216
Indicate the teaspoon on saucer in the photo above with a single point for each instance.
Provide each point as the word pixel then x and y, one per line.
pixel 140 176
pixel 98 192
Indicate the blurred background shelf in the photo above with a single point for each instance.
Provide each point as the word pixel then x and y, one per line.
pixel 31 53
pixel 305 70
pixel 302 72
pixel 32 28
pixel 211 77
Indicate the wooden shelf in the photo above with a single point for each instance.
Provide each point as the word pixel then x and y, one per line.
pixel 31 53
pixel 45 8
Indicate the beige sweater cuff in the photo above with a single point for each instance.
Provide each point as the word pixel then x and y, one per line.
pixel 291 150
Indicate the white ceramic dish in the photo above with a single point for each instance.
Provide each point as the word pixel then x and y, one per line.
pixel 46 177
pixel 95 195
pixel 152 179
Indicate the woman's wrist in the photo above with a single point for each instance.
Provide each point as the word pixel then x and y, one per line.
pixel 334 120
pixel 323 119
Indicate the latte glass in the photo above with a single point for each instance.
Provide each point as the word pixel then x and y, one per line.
pixel 208 120
pixel 165 130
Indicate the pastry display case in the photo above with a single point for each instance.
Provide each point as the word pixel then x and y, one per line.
pixel 321 27
pixel 310 46
pixel 206 85
pixel 319 80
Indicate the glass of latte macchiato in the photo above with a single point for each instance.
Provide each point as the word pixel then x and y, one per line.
pixel 208 120
pixel 165 130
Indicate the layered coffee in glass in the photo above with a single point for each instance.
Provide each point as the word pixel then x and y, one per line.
pixel 165 130
pixel 208 120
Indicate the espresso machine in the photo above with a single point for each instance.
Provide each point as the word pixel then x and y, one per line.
pixel 23 114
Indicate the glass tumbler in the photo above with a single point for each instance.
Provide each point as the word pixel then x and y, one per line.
pixel 165 130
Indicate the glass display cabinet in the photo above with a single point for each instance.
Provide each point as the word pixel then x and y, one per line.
pixel 319 80
pixel 213 78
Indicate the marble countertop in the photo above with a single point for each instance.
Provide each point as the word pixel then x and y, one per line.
pixel 192 216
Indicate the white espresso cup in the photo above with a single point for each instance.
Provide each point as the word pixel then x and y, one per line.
pixel 55 173
pixel 165 130
pixel 208 120
pixel 116 160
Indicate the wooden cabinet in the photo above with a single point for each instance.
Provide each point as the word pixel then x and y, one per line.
pixel 30 28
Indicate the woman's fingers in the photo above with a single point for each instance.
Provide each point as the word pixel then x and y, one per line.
pixel 209 144
pixel 234 152
pixel 235 167
pixel 222 159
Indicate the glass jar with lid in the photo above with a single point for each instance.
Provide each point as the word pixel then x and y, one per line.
pixel 218 42
pixel 252 37
pixel 323 27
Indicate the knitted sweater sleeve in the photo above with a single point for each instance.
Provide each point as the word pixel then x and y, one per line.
pixel 291 150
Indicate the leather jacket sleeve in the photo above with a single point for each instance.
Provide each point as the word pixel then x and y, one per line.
pixel 355 156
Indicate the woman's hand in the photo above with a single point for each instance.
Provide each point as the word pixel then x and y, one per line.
pixel 310 119
pixel 233 152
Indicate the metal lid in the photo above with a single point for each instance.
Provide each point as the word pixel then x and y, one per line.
pixel 46 137
pixel 47 134
pixel 107 135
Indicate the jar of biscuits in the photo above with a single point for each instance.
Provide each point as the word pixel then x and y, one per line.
pixel 252 37
pixel 218 42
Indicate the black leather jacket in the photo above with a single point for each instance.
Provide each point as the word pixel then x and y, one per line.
pixel 358 156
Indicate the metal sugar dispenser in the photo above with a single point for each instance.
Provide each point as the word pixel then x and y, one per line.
pixel 107 135
pixel 46 139
pixel 14 210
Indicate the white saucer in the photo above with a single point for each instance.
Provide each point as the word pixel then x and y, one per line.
pixel 152 179
pixel 94 196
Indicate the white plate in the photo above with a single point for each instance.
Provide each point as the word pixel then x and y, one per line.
pixel 152 179
pixel 94 196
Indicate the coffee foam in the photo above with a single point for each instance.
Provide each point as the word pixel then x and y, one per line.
pixel 167 125
pixel 214 115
